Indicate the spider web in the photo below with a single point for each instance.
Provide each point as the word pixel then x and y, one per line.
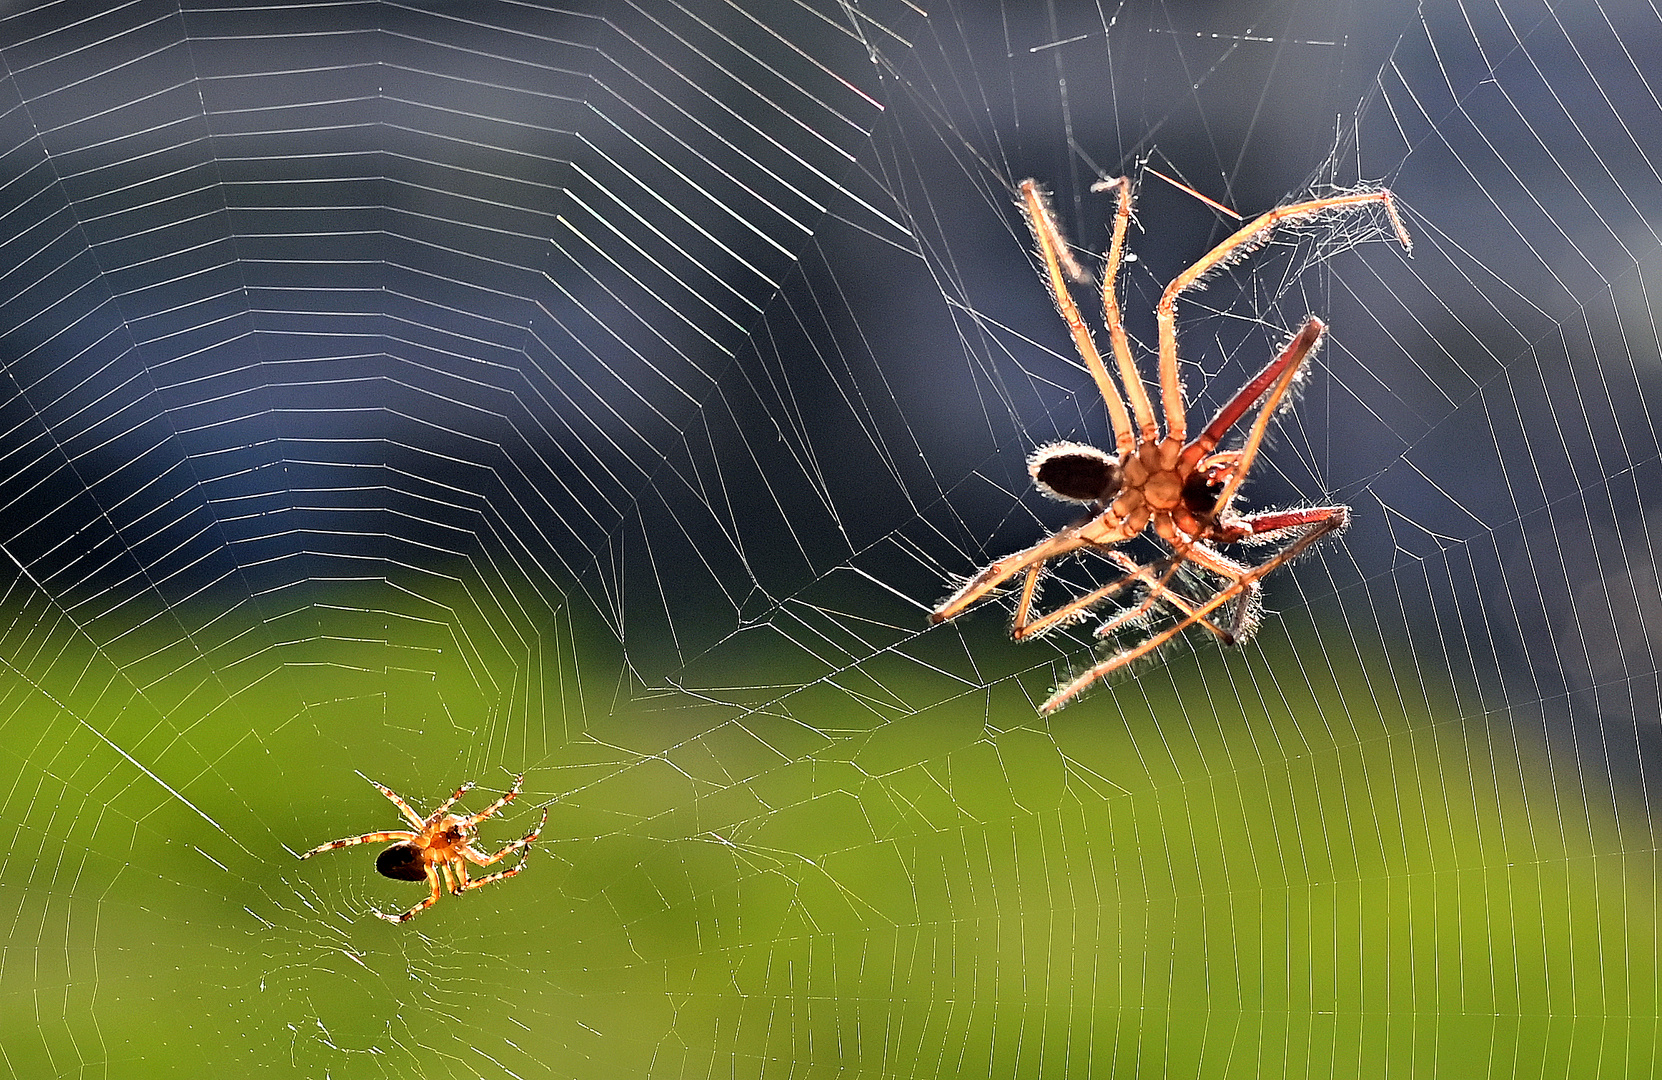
pixel 608 393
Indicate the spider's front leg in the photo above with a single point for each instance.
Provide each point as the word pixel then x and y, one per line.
pixel 479 858
pixel 397 800
pixel 508 797
pixel 445 806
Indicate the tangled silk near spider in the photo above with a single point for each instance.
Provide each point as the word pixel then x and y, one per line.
pixel 1179 491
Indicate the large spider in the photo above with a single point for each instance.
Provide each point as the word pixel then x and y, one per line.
pixel 440 848
pixel 1184 490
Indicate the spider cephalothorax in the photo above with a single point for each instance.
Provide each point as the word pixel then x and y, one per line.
pixel 439 848
pixel 1184 490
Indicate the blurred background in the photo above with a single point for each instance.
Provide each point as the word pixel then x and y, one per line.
pixel 432 393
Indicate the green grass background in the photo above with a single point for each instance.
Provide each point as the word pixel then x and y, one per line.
pixel 1304 859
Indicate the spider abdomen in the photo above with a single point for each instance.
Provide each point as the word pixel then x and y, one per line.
pixel 1075 472
pixel 402 861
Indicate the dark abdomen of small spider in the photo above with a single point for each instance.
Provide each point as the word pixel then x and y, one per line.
pixel 1200 495
pixel 401 861
pixel 1076 473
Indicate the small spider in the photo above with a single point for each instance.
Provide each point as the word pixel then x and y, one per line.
pixel 440 848
pixel 1184 490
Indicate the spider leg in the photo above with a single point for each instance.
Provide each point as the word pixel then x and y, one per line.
pixel 398 801
pixel 491 879
pixel 1292 356
pixel 366 838
pixel 1159 592
pixel 479 858
pixel 455 875
pixel 1048 235
pixel 443 807
pixel 1244 623
pixel 432 898
pixel 1272 384
pixel 1080 605
pixel 507 798
pixel 1098 531
pixel 1130 377
pixel 1248 581
pixel 1243 240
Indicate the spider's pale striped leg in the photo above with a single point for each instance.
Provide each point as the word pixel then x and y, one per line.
pixel 508 797
pixel 1244 239
pixel 366 838
pixel 1095 532
pixel 491 879
pixel 455 875
pixel 444 807
pixel 479 858
pixel 432 898
pixel 1335 518
pixel 397 800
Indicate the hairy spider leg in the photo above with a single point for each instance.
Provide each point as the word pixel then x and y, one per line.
pixel 1053 247
pixel 444 807
pixel 366 838
pixel 1158 593
pixel 1335 517
pixel 1130 377
pixel 479 858
pixel 1097 532
pixel 434 891
pixel 512 793
pixel 1134 572
pixel 398 800
pixel 1247 237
